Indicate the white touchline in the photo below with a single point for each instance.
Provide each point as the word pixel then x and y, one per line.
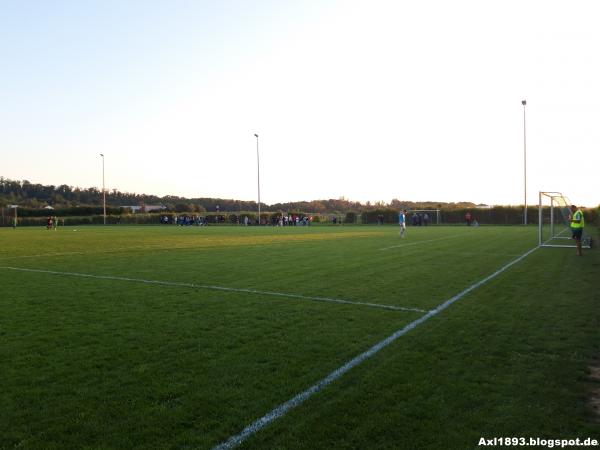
pixel 282 409
pixel 218 288
pixel 422 242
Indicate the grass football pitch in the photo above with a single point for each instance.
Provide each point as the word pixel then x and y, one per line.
pixel 181 337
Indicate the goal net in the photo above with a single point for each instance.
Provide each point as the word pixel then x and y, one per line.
pixel 554 222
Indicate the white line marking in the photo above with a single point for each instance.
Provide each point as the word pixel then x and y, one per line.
pixel 282 409
pixel 511 255
pixel 219 288
pixel 43 255
pixel 422 242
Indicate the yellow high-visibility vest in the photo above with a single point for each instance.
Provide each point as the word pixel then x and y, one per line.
pixel 577 216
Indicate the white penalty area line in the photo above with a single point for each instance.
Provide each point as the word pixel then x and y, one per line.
pixel 300 398
pixel 217 288
pixel 422 242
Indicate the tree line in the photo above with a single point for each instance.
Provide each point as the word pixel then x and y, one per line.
pixel 37 196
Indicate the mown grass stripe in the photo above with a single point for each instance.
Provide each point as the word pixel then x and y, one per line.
pixel 218 288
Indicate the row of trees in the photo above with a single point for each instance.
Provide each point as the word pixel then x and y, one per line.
pixel 37 196
pixel 69 201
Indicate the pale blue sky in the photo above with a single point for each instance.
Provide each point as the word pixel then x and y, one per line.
pixel 367 100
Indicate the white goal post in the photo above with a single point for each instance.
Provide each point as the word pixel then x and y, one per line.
pixel 554 226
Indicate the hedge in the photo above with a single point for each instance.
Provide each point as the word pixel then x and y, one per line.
pixel 499 215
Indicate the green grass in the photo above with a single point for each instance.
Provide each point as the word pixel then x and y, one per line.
pixel 103 363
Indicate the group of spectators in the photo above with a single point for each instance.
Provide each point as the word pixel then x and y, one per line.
pixel 281 221
pixel 290 220
pixel 51 223
pixel 419 219
pixel 183 220
pixel 471 220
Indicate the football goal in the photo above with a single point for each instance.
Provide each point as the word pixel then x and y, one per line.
pixel 554 225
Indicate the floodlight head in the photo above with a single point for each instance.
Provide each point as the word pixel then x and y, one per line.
pixel 255 135
pixel 523 102
pixel 102 154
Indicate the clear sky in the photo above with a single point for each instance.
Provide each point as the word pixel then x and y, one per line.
pixel 367 100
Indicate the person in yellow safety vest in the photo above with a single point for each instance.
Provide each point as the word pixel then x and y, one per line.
pixel 577 224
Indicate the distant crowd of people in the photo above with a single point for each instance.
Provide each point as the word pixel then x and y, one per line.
pixel 419 219
pixel 281 220
pixel 51 223
pixel 183 220
pixel 416 219
pixel 471 220
pixel 290 220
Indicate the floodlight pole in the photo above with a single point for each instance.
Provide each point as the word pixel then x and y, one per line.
pixel 103 190
pixel 524 103
pixel 258 175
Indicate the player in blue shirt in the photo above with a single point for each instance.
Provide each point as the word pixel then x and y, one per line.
pixel 402 222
